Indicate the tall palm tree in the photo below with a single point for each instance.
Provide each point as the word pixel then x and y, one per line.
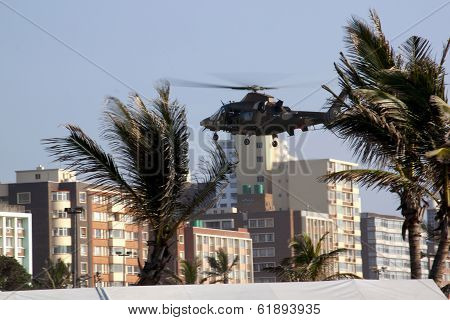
pixel 389 120
pixel 54 276
pixel 146 169
pixel 221 267
pixel 440 160
pixel 308 262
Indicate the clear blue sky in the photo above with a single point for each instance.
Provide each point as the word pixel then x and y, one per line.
pixel 45 84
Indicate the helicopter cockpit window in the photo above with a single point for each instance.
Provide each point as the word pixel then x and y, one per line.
pixel 219 114
pixel 247 116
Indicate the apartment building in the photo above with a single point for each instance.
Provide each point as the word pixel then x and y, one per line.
pixel 16 234
pixel 384 252
pixel 271 232
pixel 108 243
pixel 198 242
pixel 256 161
pixel 295 186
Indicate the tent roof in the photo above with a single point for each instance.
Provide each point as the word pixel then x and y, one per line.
pixel 326 290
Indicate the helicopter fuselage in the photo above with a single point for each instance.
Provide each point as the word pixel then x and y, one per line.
pixel 259 114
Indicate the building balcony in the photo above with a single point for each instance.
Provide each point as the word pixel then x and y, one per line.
pixel 65 257
pixel 62 241
pixel 61 223
pixel 116 225
pixel 116 242
pixel 116 260
pixel 116 276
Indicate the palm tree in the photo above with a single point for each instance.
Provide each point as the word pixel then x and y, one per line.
pixel 189 272
pixel 389 120
pixel 55 276
pixel 221 267
pixel 440 160
pixel 146 169
pixel 308 262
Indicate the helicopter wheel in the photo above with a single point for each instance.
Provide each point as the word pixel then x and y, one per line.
pixel 274 143
pixel 215 137
pixel 246 141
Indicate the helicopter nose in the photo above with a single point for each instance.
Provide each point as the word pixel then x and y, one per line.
pixel 205 122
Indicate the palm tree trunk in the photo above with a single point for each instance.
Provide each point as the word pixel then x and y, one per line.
pixel 438 269
pixel 155 265
pixel 415 253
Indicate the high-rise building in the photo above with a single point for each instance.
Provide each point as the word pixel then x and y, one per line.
pixel 108 243
pixel 295 186
pixel 15 235
pixel 201 243
pixel 385 254
pixel 271 232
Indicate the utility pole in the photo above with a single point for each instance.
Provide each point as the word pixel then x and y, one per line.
pixel 74 212
pixel 124 255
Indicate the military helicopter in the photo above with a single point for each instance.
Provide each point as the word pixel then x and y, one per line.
pixel 259 114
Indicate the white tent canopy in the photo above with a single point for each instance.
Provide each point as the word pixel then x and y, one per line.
pixel 326 290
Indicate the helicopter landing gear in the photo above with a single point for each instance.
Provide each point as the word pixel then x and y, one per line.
pixel 246 141
pixel 275 140
pixel 215 136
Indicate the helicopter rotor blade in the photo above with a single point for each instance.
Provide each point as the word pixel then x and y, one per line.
pixel 195 84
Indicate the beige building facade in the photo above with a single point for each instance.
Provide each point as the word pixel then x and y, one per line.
pixel 295 185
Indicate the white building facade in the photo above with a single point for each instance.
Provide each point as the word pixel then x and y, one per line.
pixel 16 237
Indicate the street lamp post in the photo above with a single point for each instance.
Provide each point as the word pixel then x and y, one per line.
pixel 124 255
pixel 74 212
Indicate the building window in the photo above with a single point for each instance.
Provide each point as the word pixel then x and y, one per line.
pixel 181 254
pixel 260 179
pixel 61 232
pixel 83 232
pixel 181 239
pixel 264 252
pixel 259 145
pixel 84 268
pixel 23 197
pixel 84 250
pixel 263 237
pixel 82 197
pixel 116 268
pixel 19 223
pixel 260 223
pixel 101 251
pixel 133 270
pixel 59 214
pixel 9 223
pixel 131 236
pixel 101 268
pixel 20 242
pixel 259 159
pixel 62 249
pixel 37 176
pixel 100 216
pixel 9 242
pixel 61 196
pixel 100 234
pixel 116 234
pixel 258 267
